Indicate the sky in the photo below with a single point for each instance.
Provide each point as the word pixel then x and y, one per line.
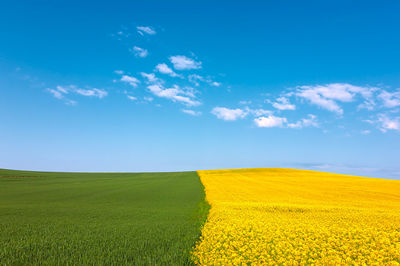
pixel 132 86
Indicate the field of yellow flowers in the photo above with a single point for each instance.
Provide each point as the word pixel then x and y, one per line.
pixel 287 216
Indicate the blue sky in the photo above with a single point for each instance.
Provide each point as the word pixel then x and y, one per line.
pixel 186 85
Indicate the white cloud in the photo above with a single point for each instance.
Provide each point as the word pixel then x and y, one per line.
pixel 191 112
pixel 386 123
pixel 140 52
pixel 389 99
pixel 189 91
pixel 194 78
pixel 165 69
pixel 61 91
pixel 131 80
pixel 151 77
pixel 119 72
pixel 326 96
pixel 98 93
pixel 258 112
pixel 368 104
pixel 182 62
pixel 215 84
pixel 311 121
pixel 132 98
pixel 229 114
pixel 174 94
pixel 245 102
pixel 65 89
pixel 365 132
pixel 315 98
pixel 56 93
pixel 283 103
pixel 145 30
pixel 270 121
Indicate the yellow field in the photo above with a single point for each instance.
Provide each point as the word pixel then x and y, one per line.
pixel 286 216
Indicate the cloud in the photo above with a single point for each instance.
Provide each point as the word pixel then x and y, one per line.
pixel 182 62
pixel 386 123
pixel 283 103
pixel 258 112
pixel 142 30
pixel 389 99
pixel 191 112
pixel 165 69
pixel 215 84
pixel 60 91
pixel 229 114
pixel 365 132
pixel 311 121
pixel 132 98
pixel 174 94
pixel 119 72
pixel 326 96
pixel 315 98
pixel 140 52
pixel 98 93
pixel 270 121
pixel 131 80
pixel 56 93
pixel 151 77
pixel 264 118
pixel 194 78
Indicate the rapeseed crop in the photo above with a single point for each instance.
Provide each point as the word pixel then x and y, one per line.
pixel 298 217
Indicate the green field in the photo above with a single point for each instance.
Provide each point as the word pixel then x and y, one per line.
pixel 99 218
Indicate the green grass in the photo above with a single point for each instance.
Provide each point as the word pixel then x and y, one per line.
pixel 99 218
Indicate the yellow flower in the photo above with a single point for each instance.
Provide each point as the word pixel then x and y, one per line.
pixel 298 217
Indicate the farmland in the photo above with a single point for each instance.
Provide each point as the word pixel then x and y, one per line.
pixel 287 216
pixel 113 218
pixel 257 216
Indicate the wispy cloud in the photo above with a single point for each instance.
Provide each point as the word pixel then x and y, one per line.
pixel 258 112
pixel 140 52
pixel 182 62
pixel 142 30
pixel 194 78
pixel 191 112
pixel 282 103
pixel 276 121
pixel 175 94
pixel 386 123
pixel 311 121
pixel 390 99
pixel 97 93
pixel 132 98
pixel 56 93
pixel 270 121
pixel 215 83
pixel 134 82
pixel 150 77
pixel 327 96
pixel 229 114
pixel 60 92
pixel 165 69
